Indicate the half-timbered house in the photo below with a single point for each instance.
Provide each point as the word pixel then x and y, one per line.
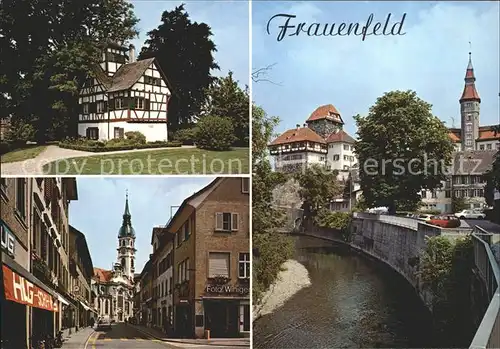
pixel 123 95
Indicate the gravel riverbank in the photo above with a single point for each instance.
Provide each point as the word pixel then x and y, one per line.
pixel 291 280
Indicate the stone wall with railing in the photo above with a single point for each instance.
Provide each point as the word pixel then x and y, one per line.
pixel 487 268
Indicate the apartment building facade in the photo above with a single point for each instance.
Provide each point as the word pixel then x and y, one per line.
pixel 81 273
pixel 162 270
pixel 212 261
pixel 35 239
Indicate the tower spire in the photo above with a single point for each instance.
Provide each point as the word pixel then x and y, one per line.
pixel 470 93
pixel 126 228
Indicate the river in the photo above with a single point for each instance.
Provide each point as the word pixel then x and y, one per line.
pixel 353 302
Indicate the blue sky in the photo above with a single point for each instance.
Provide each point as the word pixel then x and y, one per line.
pixel 350 73
pixel 101 202
pixel 229 23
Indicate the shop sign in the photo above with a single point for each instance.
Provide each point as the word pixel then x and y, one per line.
pixel 22 291
pixel 8 239
pixel 227 289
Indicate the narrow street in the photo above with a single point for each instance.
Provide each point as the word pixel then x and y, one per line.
pixel 124 336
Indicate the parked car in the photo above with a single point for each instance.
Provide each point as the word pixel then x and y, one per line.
pixel 470 214
pixel 445 221
pixel 425 217
pixel 104 323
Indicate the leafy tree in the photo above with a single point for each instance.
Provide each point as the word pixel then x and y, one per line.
pixel 43 64
pixel 214 133
pixel 402 149
pixel 270 249
pixel 184 50
pixel 318 187
pixel 458 204
pixel 226 99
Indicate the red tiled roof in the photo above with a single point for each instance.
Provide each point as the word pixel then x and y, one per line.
pixel 454 137
pixel 325 111
pixel 300 134
pixel 485 132
pixel 470 93
pixel 488 134
pixel 102 275
pixel 340 136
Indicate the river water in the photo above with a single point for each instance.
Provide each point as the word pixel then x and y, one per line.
pixel 353 302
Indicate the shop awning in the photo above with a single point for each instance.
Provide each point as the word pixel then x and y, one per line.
pixel 62 299
pixel 21 290
pixel 84 306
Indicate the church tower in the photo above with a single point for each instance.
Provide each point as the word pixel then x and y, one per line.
pixel 469 109
pixel 126 244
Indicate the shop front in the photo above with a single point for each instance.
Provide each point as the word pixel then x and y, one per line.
pixel 224 310
pixel 21 292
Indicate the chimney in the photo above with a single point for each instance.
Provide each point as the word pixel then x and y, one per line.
pixel 131 53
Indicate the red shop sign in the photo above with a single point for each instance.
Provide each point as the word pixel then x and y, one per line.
pixel 20 290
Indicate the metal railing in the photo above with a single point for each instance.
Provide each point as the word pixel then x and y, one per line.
pixel 488 332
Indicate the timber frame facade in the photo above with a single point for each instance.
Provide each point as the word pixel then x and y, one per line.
pixel 122 95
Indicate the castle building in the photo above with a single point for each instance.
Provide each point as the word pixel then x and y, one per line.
pixel 122 95
pixel 321 140
pixel 115 288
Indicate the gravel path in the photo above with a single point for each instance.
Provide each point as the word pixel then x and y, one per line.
pixel 291 280
pixel 54 153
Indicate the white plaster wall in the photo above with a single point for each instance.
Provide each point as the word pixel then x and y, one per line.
pixel 493 145
pixel 152 131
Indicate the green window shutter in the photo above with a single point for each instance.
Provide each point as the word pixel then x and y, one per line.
pixel 105 106
pixel 111 104
pixel 146 104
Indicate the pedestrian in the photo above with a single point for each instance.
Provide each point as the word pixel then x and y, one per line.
pixel 92 322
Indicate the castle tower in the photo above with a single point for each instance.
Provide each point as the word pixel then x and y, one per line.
pixel 469 109
pixel 325 120
pixel 126 244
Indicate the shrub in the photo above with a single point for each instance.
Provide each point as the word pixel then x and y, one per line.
pixel 214 133
pixel 136 137
pixel 185 136
pixel 432 212
pixel 116 147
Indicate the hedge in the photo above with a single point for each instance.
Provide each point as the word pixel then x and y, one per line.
pixel 101 149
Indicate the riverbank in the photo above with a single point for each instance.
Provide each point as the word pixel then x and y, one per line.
pixel 290 280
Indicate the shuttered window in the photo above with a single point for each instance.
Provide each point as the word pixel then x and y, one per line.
pixel 226 221
pixel 218 264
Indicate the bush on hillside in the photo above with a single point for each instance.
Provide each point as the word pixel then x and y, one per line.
pixel 214 133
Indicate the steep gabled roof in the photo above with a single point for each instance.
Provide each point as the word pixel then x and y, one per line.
pixel 473 162
pixel 487 133
pixel 327 111
pixel 299 134
pixel 128 74
pixel 101 76
pixel 340 136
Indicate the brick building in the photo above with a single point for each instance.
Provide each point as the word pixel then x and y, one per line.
pixel 211 261
pixel 35 257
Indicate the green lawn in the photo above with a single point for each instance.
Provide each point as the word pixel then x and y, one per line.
pixel 158 162
pixel 22 154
